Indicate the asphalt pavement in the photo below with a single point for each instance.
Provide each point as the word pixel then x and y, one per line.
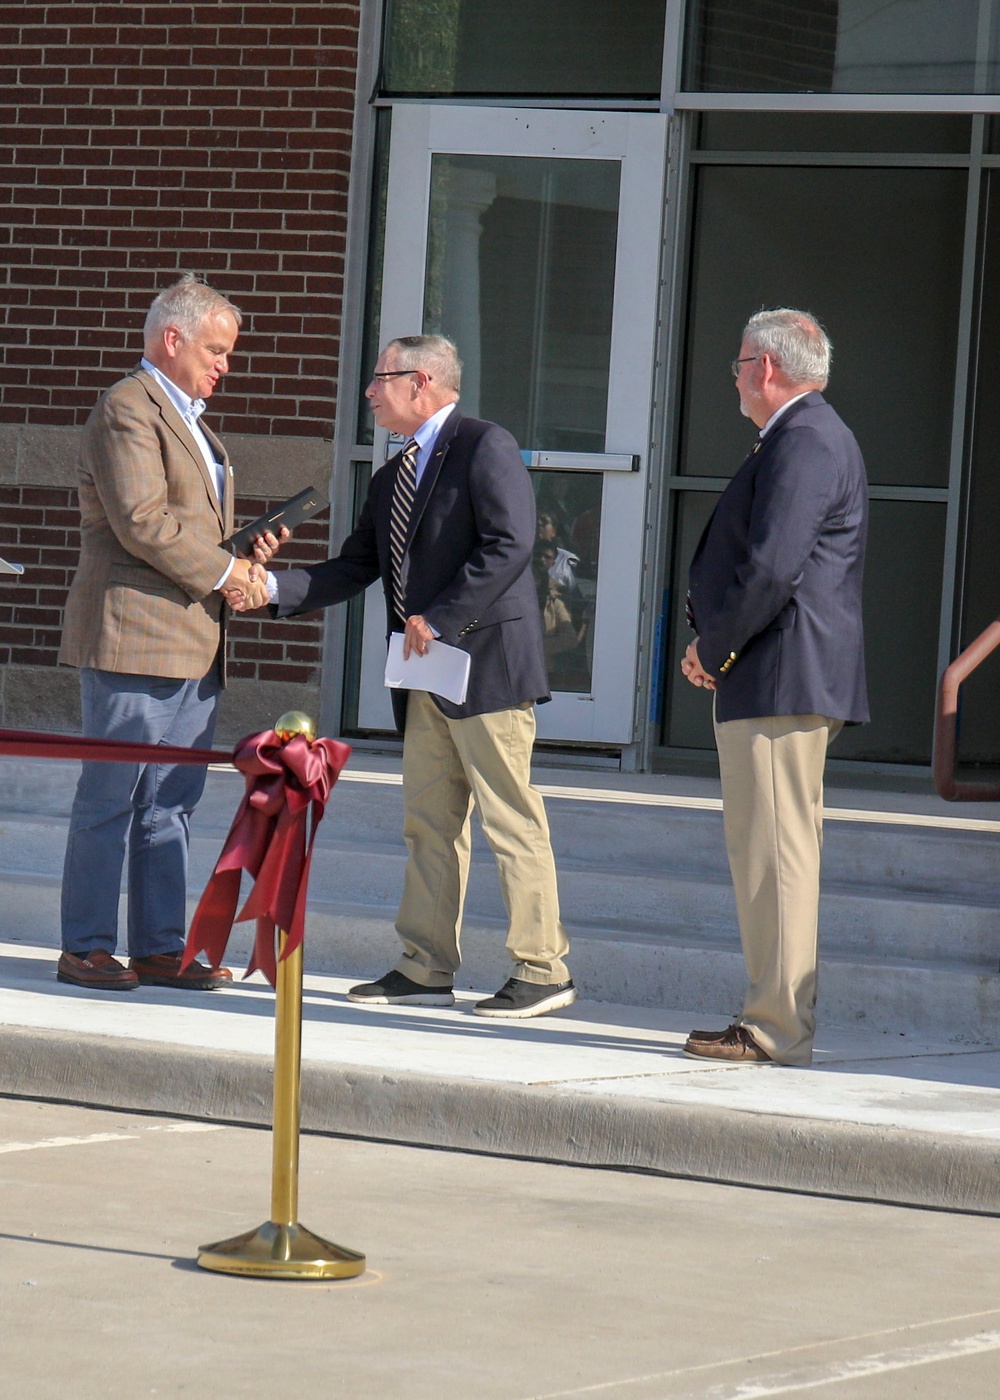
pixel 486 1279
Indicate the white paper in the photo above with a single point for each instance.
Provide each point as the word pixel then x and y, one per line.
pixel 7 568
pixel 443 670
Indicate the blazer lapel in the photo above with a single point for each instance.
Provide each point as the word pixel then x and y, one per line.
pixel 182 433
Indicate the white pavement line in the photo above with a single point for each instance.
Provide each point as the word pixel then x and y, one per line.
pixel 66 1141
pixel 878 1364
pixel 622 1381
pixel 185 1127
pixel 110 1137
pixel 710 804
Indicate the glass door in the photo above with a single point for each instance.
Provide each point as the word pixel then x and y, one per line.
pixel 532 239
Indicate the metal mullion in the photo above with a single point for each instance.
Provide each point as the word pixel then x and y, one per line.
pixel 665 418
pixel 584 104
pixel 949 582
pixel 934 103
pixel 855 159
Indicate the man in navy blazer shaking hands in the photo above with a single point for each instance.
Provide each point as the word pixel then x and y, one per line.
pixel 449 526
pixel 775 598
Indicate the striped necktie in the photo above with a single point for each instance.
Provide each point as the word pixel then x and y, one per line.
pixel 399 520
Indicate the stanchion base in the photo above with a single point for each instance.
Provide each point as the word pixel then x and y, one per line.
pixel 281 1251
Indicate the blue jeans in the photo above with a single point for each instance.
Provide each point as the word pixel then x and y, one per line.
pixel 145 806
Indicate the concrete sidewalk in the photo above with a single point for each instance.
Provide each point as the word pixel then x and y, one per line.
pixel 884 1118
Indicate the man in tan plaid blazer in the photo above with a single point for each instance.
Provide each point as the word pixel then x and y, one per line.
pixel 145 626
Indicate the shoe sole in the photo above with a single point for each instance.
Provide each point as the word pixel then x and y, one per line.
pixel 97 986
pixel 723 1059
pixel 413 999
pixel 204 984
pixel 539 1008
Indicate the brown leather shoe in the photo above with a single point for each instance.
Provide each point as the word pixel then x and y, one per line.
pixel 709 1035
pixel 164 970
pixel 735 1046
pixel 98 971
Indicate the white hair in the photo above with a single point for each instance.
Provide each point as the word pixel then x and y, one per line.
pixel 186 305
pixel 434 353
pixel 795 340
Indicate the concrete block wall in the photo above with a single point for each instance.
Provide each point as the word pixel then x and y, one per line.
pixel 139 141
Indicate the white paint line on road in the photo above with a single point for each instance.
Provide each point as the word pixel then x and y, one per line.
pixel 839 1372
pixel 88 1138
pixel 66 1141
pixel 620 1384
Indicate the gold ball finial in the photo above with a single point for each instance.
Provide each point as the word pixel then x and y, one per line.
pixel 294 722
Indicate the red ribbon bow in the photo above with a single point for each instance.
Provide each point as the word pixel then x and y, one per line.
pixel 271 837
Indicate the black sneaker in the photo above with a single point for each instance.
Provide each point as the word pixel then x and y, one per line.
pixel 396 990
pixel 521 999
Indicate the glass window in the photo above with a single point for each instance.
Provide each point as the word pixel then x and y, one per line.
pixel 834 131
pixel 568 48
pixel 885 284
pixel 827 46
pixel 520 274
pixel 565 564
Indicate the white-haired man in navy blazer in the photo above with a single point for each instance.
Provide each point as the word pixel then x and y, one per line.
pixel 775 600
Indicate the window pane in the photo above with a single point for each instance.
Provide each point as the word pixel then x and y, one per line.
pixel 520 274
pixel 541 48
pixel 886 287
pixel 834 131
pixel 930 46
pixel 565 566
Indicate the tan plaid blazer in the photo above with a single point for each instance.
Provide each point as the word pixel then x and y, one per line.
pixel 151 548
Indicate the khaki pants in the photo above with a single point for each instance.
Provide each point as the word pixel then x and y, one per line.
pixel 450 765
pixel 772 801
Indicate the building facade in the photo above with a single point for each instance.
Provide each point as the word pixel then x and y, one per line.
pixel 590 201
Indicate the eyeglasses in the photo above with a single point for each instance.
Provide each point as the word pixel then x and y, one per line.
pixel 734 365
pixel 378 377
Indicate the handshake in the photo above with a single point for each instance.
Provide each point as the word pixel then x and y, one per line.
pixel 246 587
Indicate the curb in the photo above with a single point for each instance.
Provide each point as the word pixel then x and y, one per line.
pixel 541 1123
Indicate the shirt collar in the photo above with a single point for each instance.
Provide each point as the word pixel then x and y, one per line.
pixel 426 434
pixel 189 409
pixel 779 411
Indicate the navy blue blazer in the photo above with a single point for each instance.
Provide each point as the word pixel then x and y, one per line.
pixel 775 582
pixel 466 568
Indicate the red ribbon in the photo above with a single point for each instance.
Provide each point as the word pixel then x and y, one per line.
pixel 287 788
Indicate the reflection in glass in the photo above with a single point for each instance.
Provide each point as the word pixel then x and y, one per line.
pixel 520 274
pixel 529 47
pixel 862 46
pixel 565 562
pixel 762 238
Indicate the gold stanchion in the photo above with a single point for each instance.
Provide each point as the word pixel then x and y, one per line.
pixel 281 1247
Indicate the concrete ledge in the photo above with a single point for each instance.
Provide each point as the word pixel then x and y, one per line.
pixel 854 1161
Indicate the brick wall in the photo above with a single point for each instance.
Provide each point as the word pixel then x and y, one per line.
pixel 39 527
pixel 136 141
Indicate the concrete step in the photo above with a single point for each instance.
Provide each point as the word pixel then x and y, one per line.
pixel 910 934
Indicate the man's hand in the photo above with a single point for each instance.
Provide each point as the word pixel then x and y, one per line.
pixel 265 546
pixel 693 669
pixel 416 636
pixel 246 587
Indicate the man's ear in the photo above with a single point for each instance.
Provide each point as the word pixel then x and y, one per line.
pixel 171 340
